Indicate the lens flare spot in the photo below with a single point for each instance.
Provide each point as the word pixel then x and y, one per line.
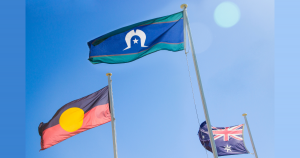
pixel 227 14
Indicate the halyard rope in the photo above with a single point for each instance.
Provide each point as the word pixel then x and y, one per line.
pixel 187 62
pixel 192 87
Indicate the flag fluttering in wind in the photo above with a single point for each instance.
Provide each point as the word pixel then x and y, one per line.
pixel 228 140
pixel 75 117
pixel 135 41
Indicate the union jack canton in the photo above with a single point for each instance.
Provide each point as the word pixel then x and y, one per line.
pixel 228 140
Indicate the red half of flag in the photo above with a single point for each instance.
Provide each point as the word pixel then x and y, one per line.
pixel 75 117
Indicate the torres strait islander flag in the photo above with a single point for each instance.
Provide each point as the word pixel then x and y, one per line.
pixel 228 140
pixel 135 41
pixel 75 117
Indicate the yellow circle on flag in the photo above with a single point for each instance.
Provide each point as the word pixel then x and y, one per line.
pixel 71 119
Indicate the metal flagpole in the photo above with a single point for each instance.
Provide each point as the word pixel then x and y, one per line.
pixel 252 142
pixel 211 136
pixel 112 114
pixel 184 29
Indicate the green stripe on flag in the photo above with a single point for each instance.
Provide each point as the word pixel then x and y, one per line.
pixel 169 18
pixel 116 59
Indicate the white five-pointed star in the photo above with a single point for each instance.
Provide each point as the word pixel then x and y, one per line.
pixel 227 148
pixel 135 41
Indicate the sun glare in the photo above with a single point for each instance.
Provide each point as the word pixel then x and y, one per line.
pixel 227 14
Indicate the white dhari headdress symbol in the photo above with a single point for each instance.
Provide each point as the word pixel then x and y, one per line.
pixel 131 33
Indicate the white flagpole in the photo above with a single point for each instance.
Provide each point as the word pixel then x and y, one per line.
pixel 211 136
pixel 112 114
pixel 184 28
pixel 252 142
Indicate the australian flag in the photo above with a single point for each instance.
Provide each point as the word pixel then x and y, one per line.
pixel 228 140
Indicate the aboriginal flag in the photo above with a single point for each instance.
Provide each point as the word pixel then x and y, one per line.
pixel 75 117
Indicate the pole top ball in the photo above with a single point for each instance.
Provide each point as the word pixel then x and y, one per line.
pixel 183 6
pixel 108 74
pixel 245 114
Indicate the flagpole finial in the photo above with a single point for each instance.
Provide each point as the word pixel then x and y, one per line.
pixel 183 6
pixel 244 114
pixel 108 74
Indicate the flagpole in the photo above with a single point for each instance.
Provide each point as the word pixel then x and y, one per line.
pixel 252 142
pixel 112 114
pixel 184 29
pixel 211 136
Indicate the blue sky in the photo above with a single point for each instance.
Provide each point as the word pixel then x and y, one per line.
pixel 52 80
pixel 154 109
